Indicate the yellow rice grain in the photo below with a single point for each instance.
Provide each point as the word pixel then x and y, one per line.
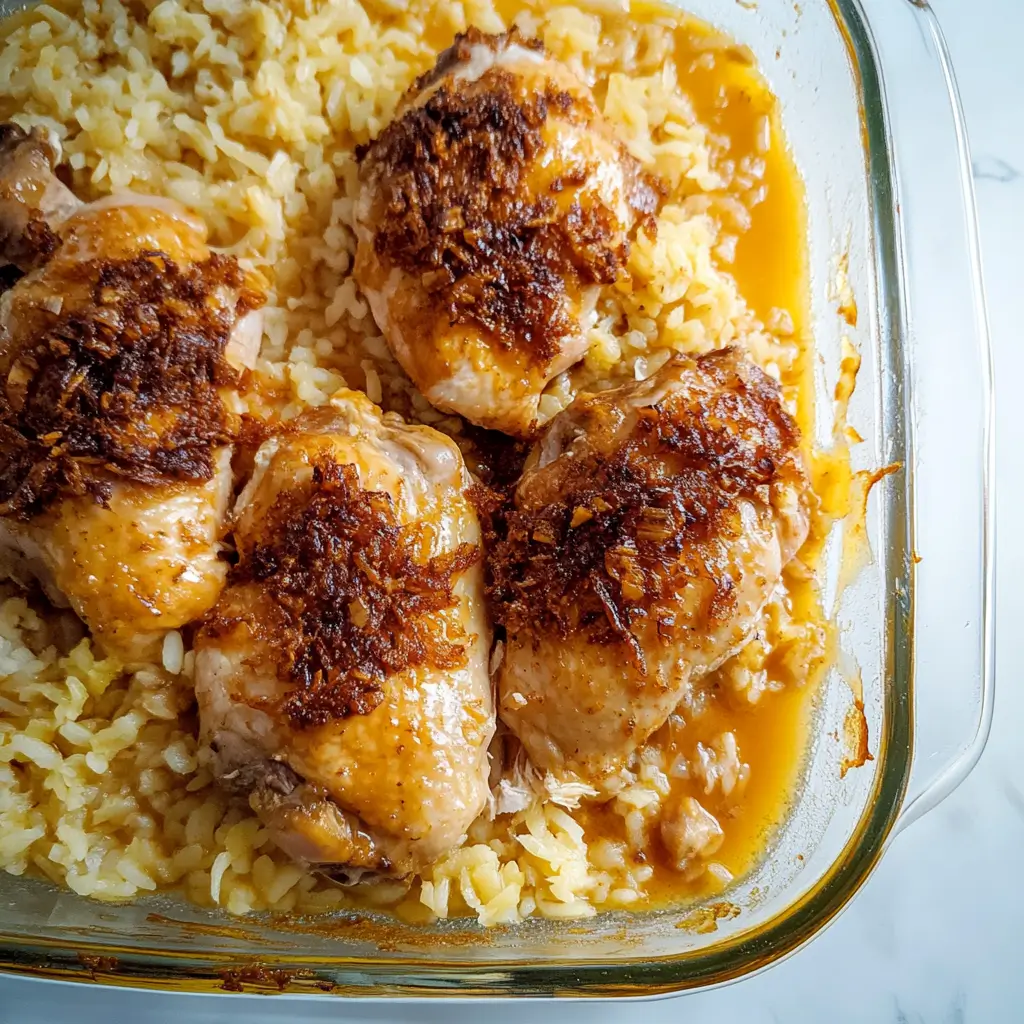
pixel 248 111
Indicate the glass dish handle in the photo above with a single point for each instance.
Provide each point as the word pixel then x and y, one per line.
pixel 950 412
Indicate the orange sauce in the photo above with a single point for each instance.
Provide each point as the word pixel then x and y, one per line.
pixel 771 737
pixel 731 98
pixel 733 101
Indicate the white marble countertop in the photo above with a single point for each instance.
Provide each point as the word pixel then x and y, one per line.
pixel 937 935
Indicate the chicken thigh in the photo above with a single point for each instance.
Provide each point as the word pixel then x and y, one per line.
pixel 120 349
pixel 33 201
pixel 649 528
pixel 492 210
pixel 342 678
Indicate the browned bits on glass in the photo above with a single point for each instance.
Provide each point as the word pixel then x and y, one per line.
pixel 458 209
pixel 627 532
pixel 356 604
pixel 124 385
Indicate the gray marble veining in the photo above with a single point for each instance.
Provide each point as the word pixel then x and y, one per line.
pixel 992 168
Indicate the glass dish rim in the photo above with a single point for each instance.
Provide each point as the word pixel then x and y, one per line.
pixel 753 949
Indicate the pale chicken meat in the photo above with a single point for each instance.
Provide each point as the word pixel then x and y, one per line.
pixel 492 211
pixel 33 201
pixel 649 529
pixel 121 345
pixel 342 678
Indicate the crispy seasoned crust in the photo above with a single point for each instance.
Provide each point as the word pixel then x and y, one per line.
pixel 355 605
pixel 123 386
pixel 632 526
pixel 458 211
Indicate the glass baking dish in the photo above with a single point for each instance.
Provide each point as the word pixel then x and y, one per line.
pixel 871 110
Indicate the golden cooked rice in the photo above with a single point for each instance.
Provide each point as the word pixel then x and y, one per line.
pixel 247 111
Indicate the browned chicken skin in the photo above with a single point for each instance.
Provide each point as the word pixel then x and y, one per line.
pixel 119 351
pixel 342 678
pixel 649 528
pixel 342 673
pixel 493 209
